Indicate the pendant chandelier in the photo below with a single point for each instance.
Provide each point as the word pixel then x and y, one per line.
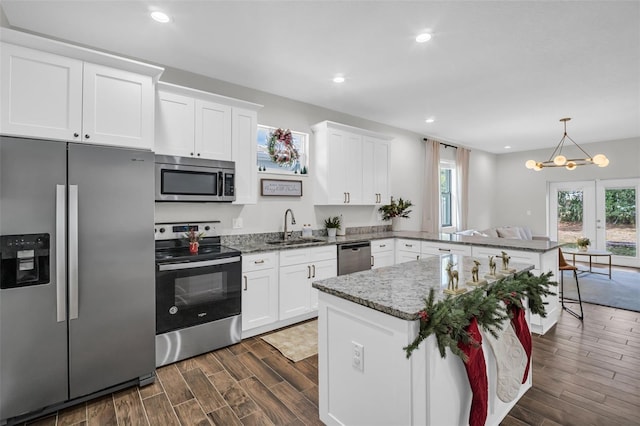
pixel 558 160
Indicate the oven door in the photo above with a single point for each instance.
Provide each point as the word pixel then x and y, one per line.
pixel 193 293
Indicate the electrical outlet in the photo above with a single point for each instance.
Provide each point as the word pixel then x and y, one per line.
pixel 358 356
pixel 237 223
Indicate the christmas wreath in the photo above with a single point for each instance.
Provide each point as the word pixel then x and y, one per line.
pixel 281 148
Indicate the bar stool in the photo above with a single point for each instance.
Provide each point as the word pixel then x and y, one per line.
pixel 564 266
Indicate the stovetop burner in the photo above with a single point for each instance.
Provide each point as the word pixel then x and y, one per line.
pixel 205 252
pixel 172 245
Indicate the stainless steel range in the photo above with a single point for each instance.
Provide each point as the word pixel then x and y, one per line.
pixel 198 295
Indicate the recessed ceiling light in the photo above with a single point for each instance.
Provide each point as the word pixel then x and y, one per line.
pixel 507 147
pixel 160 17
pixel 338 79
pixel 423 38
pixel 429 120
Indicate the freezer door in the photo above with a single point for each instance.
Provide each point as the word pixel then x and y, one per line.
pixel 33 327
pixel 112 267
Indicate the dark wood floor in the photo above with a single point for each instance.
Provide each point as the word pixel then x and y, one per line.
pixel 584 373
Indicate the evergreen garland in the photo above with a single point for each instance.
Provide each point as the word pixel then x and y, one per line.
pixel 448 318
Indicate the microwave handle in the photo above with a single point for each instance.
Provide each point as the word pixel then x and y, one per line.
pixel 220 184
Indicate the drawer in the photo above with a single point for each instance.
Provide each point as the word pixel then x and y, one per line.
pixel 381 246
pixel 531 258
pixel 323 253
pixel 434 248
pixel 408 245
pixel 258 262
pixel 295 257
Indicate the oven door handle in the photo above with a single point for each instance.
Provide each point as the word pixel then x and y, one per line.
pixel 192 265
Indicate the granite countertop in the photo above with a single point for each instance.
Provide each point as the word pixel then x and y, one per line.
pixel 400 290
pixel 250 246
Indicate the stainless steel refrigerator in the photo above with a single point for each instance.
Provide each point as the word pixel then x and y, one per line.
pixel 77 295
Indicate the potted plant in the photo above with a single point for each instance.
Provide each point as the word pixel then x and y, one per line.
pixel 332 223
pixel 395 210
pixel 583 243
pixel 194 240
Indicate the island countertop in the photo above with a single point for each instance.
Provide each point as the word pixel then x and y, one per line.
pixel 400 290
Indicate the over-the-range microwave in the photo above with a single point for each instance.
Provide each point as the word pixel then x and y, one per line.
pixel 194 179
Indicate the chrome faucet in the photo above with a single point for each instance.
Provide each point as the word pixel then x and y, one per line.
pixel 287 234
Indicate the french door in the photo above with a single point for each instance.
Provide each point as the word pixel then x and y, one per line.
pixel 605 211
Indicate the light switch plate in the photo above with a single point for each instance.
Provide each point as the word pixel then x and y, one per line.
pixel 358 356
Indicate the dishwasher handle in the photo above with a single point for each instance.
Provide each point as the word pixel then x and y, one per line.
pixel 355 246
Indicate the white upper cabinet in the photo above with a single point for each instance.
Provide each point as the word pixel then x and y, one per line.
pixel 48 95
pixel 190 126
pixel 350 165
pixel 375 171
pixel 117 107
pixel 244 128
pixel 193 123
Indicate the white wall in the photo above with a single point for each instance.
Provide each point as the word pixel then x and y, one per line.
pixel 406 164
pixel 482 199
pixel 521 194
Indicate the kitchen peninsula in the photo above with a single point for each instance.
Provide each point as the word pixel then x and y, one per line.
pixel 365 320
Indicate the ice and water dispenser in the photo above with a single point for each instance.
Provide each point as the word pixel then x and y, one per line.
pixel 24 260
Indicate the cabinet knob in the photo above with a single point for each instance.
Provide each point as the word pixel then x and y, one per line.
pixel 191 153
pixel 198 154
pixel 75 135
pixel 87 136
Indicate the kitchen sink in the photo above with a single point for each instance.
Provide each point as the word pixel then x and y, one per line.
pixel 294 242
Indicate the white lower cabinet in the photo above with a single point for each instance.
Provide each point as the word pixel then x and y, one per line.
pixel 382 253
pixel 298 269
pixel 259 290
pixel 433 248
pixel 407 250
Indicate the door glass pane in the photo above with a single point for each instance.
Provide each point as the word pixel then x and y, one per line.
pixel 570 216
pixel 620 217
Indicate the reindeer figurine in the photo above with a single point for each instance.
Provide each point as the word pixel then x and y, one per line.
pixel 505 261
pixel 474 271
pixel 453 276
pixel 492 266
pixel 452 285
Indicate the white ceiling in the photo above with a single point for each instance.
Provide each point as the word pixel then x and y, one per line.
pixel 494 74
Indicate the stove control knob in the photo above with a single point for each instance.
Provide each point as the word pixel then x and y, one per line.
pixel 173 310
pixel 206 228
pixel 162 230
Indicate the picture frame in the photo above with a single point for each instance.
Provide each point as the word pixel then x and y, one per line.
pixel 280 188
pixel 266 164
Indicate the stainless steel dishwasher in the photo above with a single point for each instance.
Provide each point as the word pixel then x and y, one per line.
pixel 354 257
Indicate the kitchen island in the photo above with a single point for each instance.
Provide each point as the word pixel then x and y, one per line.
pixel 364 321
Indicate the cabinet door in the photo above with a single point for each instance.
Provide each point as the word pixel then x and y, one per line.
pixel 352 164
pixel 406 256
pixel 213 130
pixel 259 298
pixel 375 171
pixel 336 170
pixel 243 135
pixel 40 94
pixel 117 107
pixel 369 194
pixel 381 171
pixel 294 290
pixel 320 271
pixel 383 259
pixel 175 120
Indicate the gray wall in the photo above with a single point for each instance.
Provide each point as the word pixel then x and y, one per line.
pixel 521 194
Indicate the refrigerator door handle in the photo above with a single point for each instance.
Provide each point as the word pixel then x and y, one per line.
pixel 61 248
pixel 73 252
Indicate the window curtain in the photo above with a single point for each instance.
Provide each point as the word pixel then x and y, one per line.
pixel 462 189
pixel 431 188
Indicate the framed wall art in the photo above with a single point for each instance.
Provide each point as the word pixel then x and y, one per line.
pixel 280 187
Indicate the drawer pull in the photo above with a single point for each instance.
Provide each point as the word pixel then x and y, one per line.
pixel 259 262
pixel 445 250
pixel 408 245
pixel 382 245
